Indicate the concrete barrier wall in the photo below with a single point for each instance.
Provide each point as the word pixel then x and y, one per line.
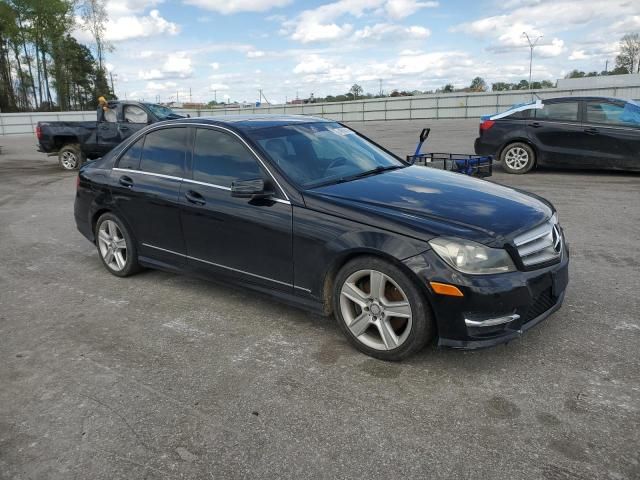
pixel 435 106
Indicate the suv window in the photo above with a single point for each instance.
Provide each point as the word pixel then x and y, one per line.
pixel 564 111
pixel 219 159
pixel 164 151
pixel 131 158
pixel 134 114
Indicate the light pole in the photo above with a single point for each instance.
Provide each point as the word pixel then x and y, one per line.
pixel 531 47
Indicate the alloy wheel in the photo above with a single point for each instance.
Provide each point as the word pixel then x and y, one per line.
pixel 69 160
pixel 112 245
pixel 375 309
pixel 517 158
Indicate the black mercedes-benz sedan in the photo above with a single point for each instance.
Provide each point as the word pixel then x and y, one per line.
pixel 316 214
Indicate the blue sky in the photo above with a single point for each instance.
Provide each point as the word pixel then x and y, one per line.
pixel 286 48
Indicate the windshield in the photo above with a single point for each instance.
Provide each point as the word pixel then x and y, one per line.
pixel 161 112
pixel 314 154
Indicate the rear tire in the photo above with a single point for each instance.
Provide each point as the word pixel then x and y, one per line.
pixel 116 246
pixel 381 310
pixel 70 157
pixel 518 158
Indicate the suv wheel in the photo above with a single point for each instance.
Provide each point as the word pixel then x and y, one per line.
pixel 116 246
pixel 70 157
pixel 518 158
pixel 380 309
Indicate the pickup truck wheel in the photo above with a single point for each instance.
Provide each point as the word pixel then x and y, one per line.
pixel 70 157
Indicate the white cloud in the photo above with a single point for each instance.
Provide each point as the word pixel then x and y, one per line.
pixel 578 55
pixel 380 30
pixel 218 86
pixel 312 64
pixel 215 65
pixel 324 22
pixel 553 49
pixel 255 54
pixel 549 17
pixel 227 7
pixel 125 28
pixel 176 65
pixel 398 9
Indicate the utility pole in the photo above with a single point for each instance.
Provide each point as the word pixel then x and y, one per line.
pixel 380 80
pixel 177 96
pixel 606 66
pixel 531 47
pixel 190 101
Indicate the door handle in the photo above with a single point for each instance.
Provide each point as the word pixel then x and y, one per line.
pixel 535 124
pixel 123 128
pixel 125 181
pixel 591 131
pixel 194 197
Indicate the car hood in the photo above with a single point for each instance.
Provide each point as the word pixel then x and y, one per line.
pixel 425 202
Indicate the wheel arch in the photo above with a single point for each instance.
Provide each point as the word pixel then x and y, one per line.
pixel 345 257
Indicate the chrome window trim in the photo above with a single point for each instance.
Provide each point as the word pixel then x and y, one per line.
pixel 188 180
pixel 153 174
pixel 159 126
pixel 225 267
pixel 197 182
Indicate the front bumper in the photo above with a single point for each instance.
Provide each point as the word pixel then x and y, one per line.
pixel 495 308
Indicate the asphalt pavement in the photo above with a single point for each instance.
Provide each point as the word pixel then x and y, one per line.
pixel 162 376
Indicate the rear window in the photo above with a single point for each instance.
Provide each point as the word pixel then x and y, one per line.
pixel 565 111
pixel 521 115
pixel 164 151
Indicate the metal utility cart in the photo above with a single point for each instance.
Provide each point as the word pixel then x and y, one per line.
pixel 473 165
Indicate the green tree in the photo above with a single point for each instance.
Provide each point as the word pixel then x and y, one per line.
pixel 448 88
pixel 629 56
pixel 478 85
pixel 356 90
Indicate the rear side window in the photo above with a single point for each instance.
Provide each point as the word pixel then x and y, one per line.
pixel 164 151
pixel 566 111
pixel 131 158
pixel 220 158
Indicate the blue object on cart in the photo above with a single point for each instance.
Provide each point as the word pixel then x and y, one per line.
pixel 473 165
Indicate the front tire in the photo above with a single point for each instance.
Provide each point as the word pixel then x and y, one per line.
pixel 116 247
pixel 70 157
pixel 381 310
pixel 518 158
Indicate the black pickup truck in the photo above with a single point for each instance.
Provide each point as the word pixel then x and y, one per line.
pixel 75 141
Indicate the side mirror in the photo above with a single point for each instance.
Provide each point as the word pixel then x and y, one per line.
pixel 253 189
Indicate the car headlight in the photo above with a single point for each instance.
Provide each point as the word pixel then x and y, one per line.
pixel 471 257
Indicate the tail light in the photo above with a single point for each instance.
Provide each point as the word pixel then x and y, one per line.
pixel 38 132
pixel 486 125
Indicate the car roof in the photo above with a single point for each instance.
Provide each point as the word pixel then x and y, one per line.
pixel 578 99
pixel 253 121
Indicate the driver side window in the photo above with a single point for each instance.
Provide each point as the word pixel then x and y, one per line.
pixel 135 114
pixel 220 158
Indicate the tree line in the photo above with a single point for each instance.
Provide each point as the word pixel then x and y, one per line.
pixel 44 68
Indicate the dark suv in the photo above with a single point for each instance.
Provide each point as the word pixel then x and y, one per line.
pixel 572 132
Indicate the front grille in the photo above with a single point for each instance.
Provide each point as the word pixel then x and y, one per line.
pixel 541 245
pixel 541 304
